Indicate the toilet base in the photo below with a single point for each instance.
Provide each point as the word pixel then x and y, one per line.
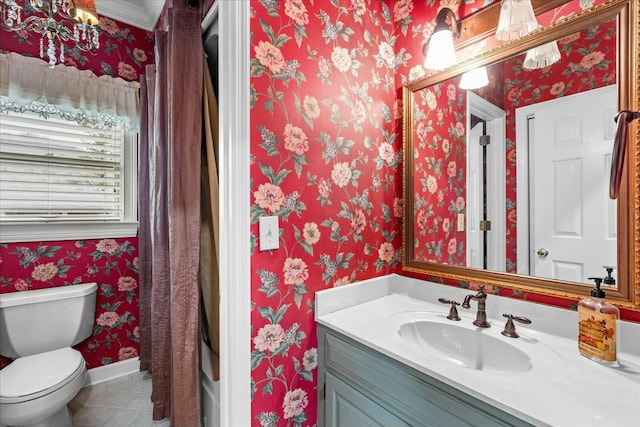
pixel 62 418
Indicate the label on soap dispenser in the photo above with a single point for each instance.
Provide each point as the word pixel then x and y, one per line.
pixel 597 336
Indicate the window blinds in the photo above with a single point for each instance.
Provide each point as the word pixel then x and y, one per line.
pixel 55 170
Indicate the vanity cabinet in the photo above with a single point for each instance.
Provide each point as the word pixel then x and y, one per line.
pixel 361 387
pixel 346 406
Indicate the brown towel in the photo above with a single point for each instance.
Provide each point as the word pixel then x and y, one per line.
pixel 623 118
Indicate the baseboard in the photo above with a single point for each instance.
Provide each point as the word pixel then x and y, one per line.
pixel 111 371
pixel 210 391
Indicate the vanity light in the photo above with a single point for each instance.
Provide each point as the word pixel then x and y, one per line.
pixel 541 56
pixel 517 19
pixel 474 79
pixel 439 50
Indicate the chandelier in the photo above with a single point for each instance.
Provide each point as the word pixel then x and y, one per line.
pixel 57 21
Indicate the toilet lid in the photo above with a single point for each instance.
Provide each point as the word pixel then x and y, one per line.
pixel 40 372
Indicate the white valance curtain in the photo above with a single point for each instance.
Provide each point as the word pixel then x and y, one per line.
pixel 28 84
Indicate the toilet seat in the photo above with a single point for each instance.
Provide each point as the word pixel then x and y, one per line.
pixel 31 377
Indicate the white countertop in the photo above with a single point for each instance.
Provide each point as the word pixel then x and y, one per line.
pixel 562 388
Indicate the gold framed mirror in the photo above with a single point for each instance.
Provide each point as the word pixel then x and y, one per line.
pixel 443 245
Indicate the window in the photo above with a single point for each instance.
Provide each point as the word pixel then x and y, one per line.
pixel 60 180
pixel 68 157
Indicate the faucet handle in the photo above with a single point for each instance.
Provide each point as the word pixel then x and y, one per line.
pixel 453 312
pixel 510 327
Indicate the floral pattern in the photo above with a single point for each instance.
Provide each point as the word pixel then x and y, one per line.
pixel 111 263
pixel 439 173
pixel 325 160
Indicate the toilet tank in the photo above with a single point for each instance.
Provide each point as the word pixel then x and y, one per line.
pixel 36 321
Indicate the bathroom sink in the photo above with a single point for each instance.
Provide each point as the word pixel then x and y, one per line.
pixel 469 347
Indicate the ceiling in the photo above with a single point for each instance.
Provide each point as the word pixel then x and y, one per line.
pixel 139 13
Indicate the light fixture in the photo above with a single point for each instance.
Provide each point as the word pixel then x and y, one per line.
pixel 439 50
pixel 57 21
pixel 474 79
pixel 541 56
pixel 517 19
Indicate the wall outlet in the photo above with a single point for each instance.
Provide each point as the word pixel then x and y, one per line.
pixel 269 233
pixel 460 222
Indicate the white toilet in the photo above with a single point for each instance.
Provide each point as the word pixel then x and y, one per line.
pixel 37 329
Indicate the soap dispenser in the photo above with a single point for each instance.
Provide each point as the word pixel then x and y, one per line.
pixel 597 339
pixel 609 280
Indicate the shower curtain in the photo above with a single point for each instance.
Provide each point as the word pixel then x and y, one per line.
pixel 170 218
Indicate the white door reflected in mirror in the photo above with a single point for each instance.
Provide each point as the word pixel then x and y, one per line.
pixel 571 222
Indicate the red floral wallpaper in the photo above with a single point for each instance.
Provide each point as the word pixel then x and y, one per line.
pixel 124 52
pixel 440 173
pixel 111 263
pixel 326 159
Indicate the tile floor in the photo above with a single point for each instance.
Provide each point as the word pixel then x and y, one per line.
pixel 122 402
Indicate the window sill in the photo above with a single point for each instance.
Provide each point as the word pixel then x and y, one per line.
pixel 39 232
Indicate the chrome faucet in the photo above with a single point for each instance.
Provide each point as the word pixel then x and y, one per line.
pixel 481 316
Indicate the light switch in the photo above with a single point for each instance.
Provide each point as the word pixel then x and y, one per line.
pixel 460 222
pixel 269 233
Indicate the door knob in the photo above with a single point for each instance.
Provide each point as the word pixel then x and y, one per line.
pixel 542 252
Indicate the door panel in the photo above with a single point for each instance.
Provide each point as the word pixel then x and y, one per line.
pixel 573 230
pixel 346 407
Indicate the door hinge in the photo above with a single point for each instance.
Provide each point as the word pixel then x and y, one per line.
pixel 485 140
pixel 485 225
pixel 324 391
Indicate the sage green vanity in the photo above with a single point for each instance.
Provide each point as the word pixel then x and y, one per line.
pixel 363 387
pixel 389 356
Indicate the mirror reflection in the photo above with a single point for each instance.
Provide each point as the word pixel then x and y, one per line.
pixel 513 176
